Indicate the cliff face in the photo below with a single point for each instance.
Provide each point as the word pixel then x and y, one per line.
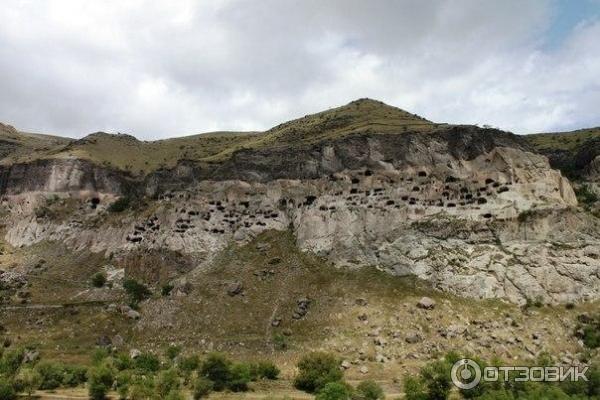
pixel 471 210
pixel 62 175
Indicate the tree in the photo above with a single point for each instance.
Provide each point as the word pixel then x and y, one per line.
pixel 136 291
pixel 316 370
pixel 29 380
pixel 216 367
pixel 166 382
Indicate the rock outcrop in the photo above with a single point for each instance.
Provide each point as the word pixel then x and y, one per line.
pixel 470 210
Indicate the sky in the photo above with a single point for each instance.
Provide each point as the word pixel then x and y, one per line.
pixel 158 69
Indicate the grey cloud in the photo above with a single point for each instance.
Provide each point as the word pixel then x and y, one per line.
pixel 158 69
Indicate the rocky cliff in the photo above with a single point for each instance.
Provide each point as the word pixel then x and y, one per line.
pixel 473 211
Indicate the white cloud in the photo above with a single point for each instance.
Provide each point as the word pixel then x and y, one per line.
pixel 158 68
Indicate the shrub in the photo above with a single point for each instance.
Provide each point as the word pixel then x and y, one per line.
pixel 141 391
pixel 7 391
pixel 334 391
pixel 434 380
pixel 280 342
pixel 51 373
pixel 166 382
pixel 100 380
pixel 99 279
pixel 239 376
pixel 136 291
pixel 174 394
pixel 74 375
pixel 29 380
pixel 266 370
pixel 122 361
pixel 202 387
pixel 189 364
pixel 316 370
pixel 588 330
pixel 166 290
pixel 11 361
pixel 172 352
pixel 216 367
pixel 123 381
pixel 120 205
pixel 414 389
pixel 369 390
pixel 146 362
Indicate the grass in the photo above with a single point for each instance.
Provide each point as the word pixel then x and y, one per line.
pixel 126 153
pixel 568 141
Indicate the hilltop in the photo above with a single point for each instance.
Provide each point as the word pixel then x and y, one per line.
pixel 126 153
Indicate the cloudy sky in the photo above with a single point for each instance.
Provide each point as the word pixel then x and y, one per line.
pixel 167 68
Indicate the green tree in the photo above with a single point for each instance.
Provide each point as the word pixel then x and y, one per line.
pixel 29 380
pixel 315 370
pixel 216 367
pixel 137 291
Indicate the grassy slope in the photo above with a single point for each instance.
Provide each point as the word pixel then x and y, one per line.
pixel 569 141
pixel 209 319
pixel 15 144
pixel 127 153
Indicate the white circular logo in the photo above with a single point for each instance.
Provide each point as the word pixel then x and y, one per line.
pixel 466 374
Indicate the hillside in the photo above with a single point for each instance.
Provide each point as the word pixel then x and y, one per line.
pixel 126 153
pixel 571 152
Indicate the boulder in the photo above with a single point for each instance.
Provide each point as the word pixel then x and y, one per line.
pixel 426 303
pixel 235 288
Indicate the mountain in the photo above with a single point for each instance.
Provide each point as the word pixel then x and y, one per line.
pixel 318 231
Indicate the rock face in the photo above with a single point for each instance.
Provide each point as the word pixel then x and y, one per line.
pixel 470 210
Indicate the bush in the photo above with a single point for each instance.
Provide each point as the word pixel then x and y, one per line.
pixel 29 380
pixel 51 373
pixel 280 342
pixel 414 389
pixel 7 391
pixel 434 381
pixel 99 279
pixel 239 376
pixel 123 381
pixel 166 290
pixel 146 362
pixel 100 380
pixel 588 330
pixel 11 361
pixel 74 375
pixel 266 370
pixel 172 352
pixel 189 364
pixel 202 387
pixel 216 367
pixel 120 205
pixel 334 391
pixel 136 291
pixel 166 382
pixel 174 394
pixel 316 370
pixel 369 390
